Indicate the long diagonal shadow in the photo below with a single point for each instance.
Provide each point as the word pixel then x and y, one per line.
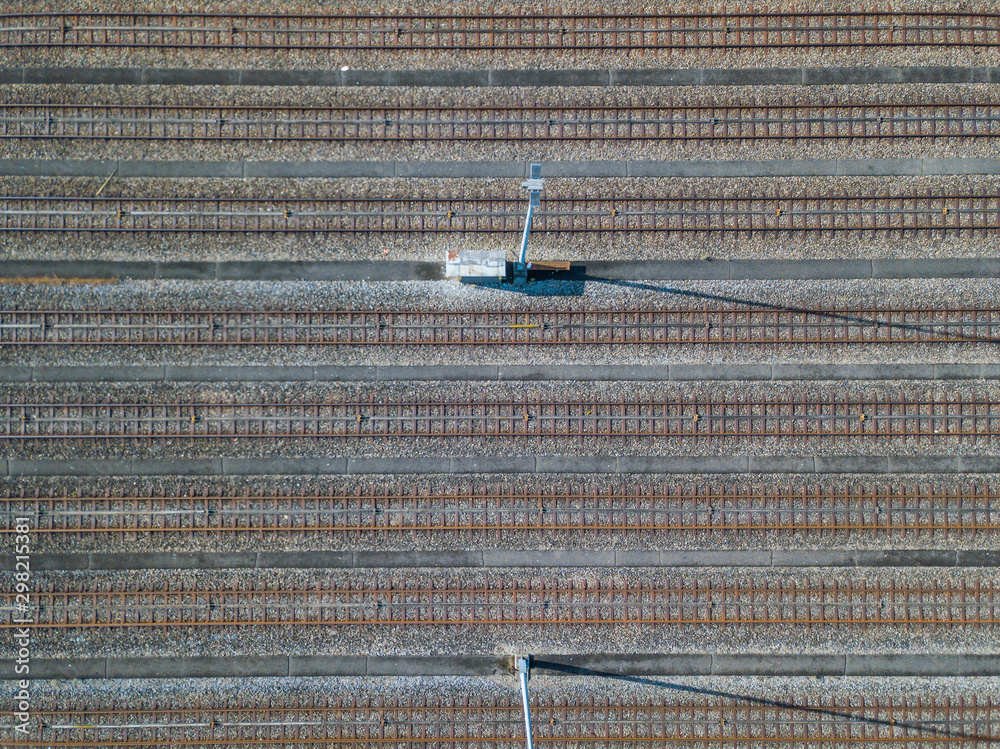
pixel 915 726
pixel 933 329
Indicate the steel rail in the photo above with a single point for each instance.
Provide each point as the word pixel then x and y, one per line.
pixel 688 326
pixel 465 721
pixel 665 32
pixel 673 510
pixel 69 604
pixel 686 419
pixel 412 124
pixel 448 214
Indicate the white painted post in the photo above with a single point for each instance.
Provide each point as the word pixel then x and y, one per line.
pixel 523 663
pixel 534 187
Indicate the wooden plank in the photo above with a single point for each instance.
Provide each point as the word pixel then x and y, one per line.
pixel 548 265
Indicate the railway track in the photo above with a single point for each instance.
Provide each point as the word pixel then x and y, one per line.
pixel 767 325
pixel 497 514
pixel 447 215
pixel 95 604
pixel 496 721
pixel 35 421
pixel 419 124
pixel 548 33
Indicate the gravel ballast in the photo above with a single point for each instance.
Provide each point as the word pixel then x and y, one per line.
pixel 457 59
pixel 691 394
pixel 370 148
pixel 633 636
pixel 553 245
pixel 568 295
pixel 191 494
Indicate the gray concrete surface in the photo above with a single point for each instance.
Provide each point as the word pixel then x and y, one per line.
pixel 638 664
pixel 459 169
pixel 503 558
pixel 532 77
pixel 766 664
pixel 959 664
pixel 595 271
pixel 594 664
pixel 334 465
pixel 281 467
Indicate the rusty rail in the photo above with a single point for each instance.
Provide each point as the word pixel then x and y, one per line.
pixel 431 123
pixel 451 721
pixel 448 214
pixel 200 512
pixel 676 600
pixel 548 33
pixel 685 419
pixel 475 327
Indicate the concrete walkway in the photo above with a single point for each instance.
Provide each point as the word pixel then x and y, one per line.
pixel 505 373
pixel 462 78
pixel 871 167
pixel 496 559
pixel 654 664
pixel 529 464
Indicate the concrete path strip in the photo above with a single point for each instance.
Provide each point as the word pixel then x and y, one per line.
pixel 867 167
pixel 478 78
pixel 529 464
pixel 629 666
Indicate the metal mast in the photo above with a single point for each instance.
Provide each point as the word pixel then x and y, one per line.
pixel 534 187
pixel 523 662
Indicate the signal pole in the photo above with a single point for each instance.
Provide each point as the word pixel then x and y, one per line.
pixel 523 665
pixel 534 187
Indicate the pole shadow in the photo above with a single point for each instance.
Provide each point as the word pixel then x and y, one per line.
pixel 924 728
pixel 573 283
